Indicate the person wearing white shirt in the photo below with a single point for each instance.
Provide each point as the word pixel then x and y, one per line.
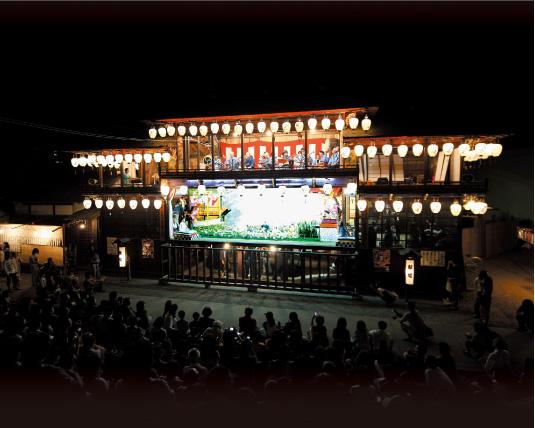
pixel 436 378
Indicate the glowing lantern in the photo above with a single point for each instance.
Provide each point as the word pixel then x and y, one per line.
pixel 181 130
pixel 417 149
pixel 101 159
pixel 483 208
pixel 456 208
pixel 299 126
pixel 92 159
pixel 464 148
pixel 133 204
pixel 225 128
pixel 261 126
pixel 157 157
pixel 448 148
pixel 353 122
pixel 340 123
pixel 325 123
pixel 82 161
pixel 109 204
pixel 74 162
pixel 121 203
pixel 432 150
pixel 145 203
pixel 468 204
pixel 193 130
pixel 417 207
pixel 371 151
pixel 153 133
pixel 98 203
pixel 157 203
pixel 110 159
pixel 480 148
pixel 249 127
pixel 327 188
pixel 166 157
pixel 312 123
pixel 128 157
pixel 362 204
pixel 497 149
pixel 345 152
pixel 359 150
pixel 379 205
pixel 286 127
pixel 161 131
pixel 351 189
pixel 366 123
pixel 201 189
pixel 87 203
pixel 397 205
pixel 203 130
pixel 164 189
pixel 214 127
pixel 274 126
pixel 138 157
pixel 403 150
pixel 387 149
pixel 435 207
pixel 170 130
pixel 238 129
pixel 147 157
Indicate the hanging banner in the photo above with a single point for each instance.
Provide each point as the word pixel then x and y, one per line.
pixel 409 272
pixel 381 260
pixel 147 248
pixel 111 246
pixel 433 258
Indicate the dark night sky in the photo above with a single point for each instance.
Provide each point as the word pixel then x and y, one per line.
pixel 433 67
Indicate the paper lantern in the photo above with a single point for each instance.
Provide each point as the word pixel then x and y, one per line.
pixel 417 149
pixel 147 157
pixel 238 129
pixel 345 152
pixel 92 159
pixel 145 203
pixel 480 148
pixel 128 157
pixel 133 204
pixel 101 159
pixel 359 150
pixel 166 157
pixel 353 122
pixel 299 126
pixel 397 205
pixel 327 188
pixel 138 157
pixel 87 203
pixel 362 204
pixel 366 123
pixel 157 203
pixel 183 190
pixel 157 157
pixel 379 205
pixel 403 150
pixel 74 162
pixel 340 123
pixel 456 208
pixel 432 150
pixel 435 207
pixel 312 123
pixel 170 130
pixel 286 127
pixel 164 189
pixel 249 127
pixel 448 148
pixel 261 126
pixel 497 149
pixel 99 203
pixel 464 149
pixel 325 123
pixel 181 130
pixel 274 126
pixel 225 128
pixel 110 159
pixel 417 207
pixel 351 189
pixel 201 189
pixel 82 161
pixel 153 132
pixel 371 151
pixel 110 204
pixel 214 128
pixel 203 130
pixel 121 203
pixel 162 132
pixel 386 149
pixel 193 130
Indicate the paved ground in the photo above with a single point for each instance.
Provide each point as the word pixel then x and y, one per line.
pixel 513 281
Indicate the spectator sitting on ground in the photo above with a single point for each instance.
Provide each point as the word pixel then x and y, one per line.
pixel 436 378
pixel 524 316
pixel 247 323
pixel 498 363
pixel 479 343
pixel 380 338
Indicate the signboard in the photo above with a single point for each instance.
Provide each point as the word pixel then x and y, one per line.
pixel 111 246
pixel 381 260
pixel 409 272
pixel 433 258
pixel 122 257
pixel 147 248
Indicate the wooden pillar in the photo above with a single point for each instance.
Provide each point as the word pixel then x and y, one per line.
pixel 273 150
pixel 306 149
pixel 242 154
pixel 211 137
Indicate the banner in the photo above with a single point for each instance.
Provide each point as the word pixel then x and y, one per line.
pixel 433 258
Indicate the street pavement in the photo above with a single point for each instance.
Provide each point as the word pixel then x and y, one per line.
pixel 513 281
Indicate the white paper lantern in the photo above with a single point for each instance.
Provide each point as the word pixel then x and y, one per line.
pixel 483 208
pixel 99 203
pixel 110 159
pixel 327 188
pixel 145 203
pixel 121 203
pixel 225 128
pixel 183 190
pixel 417 207
pixel 379 205
pixel 118 158
pixel 432 150
pixel 403 150
pixel 325 123
pixel 92 159
pixel 345 152
pixel 387 149
pixel 201 189
pixel 214 128
pixel 87 203
pixel 468 204
pixel 157 203
pixel 153 133
pixel 203 130
pixel 138 157
pixel 74 162
pixel 312 123
pixel 476 207
pixel 181 130
pixel 261 126
pixel 238 129
pixel 132 204
pixel 193 130
pixel 157 157
pixel 117 165
pixel 366 123
pixel 435 207
pixel 351 189
pixel 128 157
pixel 170 130
pixel 161 131
pixel 464 148
pixel 164 189
pixel 249 127
pixel 497 149
pixel 110 204
pixel 371 151
pixel 362 204
pixel 456 208
pixel 353 122
pixel 397 205
pixel 359 150
pixel 299 126
pixel 448 148
pixel 147 157
pixel 480 148
pixel 286 127
pixel 339 124
pixel 274 126
pixel 101 160
pixel 166 157
pixel 82 161
pixel 417 149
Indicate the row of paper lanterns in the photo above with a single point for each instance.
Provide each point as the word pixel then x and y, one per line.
pixel 261 127
pixel 479 151
pixel 121 203
pixel 476 206
pixel 111 161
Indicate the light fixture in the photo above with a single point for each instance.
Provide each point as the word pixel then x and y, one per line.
pixel 476 207
pixel 121 203
pixel 351 189
pixel 132 204
pixel 483 208
pixel 282 190
pixel 379 205
pixel 327 188
pixel 92 159
pixel 157 203
pixel 417 149
pixel 201 189
pixel 157 157
pixel 286 126
pixel 397 205
pixel 110 204
pixel 101 159
pixel 203 130
pixel 402 150
pixel 261 126
pixel 145 202
pixel 238 129
pixel 468 204
pixel 417 207
pixel 386 149
pixel 312 123
pixel 110 159
pixel 362 204
pixel 305 189
pixel 166 156
pixel 161 131
pixel 262 189
pixel 98 203
pixel 480 148
pixel 448 148
pixel 371 151
pixel 345 152
pixel 138 157
pixel 359 150
pixel 152 132
pixel 193 130
pixel 147 157
pixel 181 130
pixel 249 127
pixel 170 130
pixel 366 123
pixel 432 150
pixel 497 149
pixel 339 124
pixel 117 165
pixel 164 189
pixel 274 126
pixel 456 208
pixel 435 207
pixel 226 246
pixel 128 157
pixel 87 203
pixel 82 161
pixel 183 190
pixel 221 190
pixel 299 125
pixel 214 128
pixel 464 148
pixel 225 128
pixel 74 161
pixel 241 189
pixel 325 123
pixel 353 122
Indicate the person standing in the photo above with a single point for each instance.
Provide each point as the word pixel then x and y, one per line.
pixel 451 295
pixel 484 297
pixel 34 267
pixel 10 266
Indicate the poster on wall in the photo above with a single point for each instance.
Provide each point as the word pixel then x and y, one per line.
pixel 147 248
pixel 381 260
pixel 433 258
pixel 111 246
